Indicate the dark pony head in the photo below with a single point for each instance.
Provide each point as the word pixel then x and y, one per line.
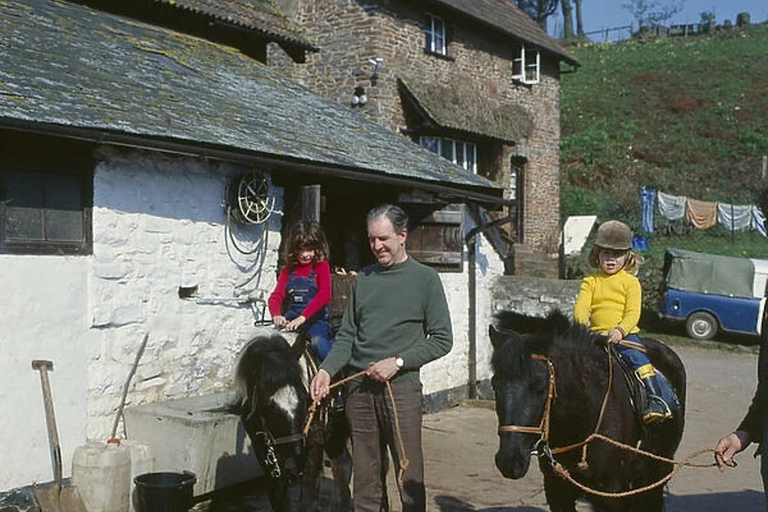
pixel 521 383
pixel 274 399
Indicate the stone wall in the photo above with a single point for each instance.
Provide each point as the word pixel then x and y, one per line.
pixel 534 296
pixel 351 32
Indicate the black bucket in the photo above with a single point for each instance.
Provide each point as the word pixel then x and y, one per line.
pixel 164 492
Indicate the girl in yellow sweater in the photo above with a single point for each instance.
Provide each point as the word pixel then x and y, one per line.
pixel 609 302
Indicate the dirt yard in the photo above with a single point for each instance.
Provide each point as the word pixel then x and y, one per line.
pixel 460 444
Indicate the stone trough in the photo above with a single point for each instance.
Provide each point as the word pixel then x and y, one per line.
pixel 198 434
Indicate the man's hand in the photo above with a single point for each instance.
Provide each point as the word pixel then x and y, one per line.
pixel 320 385
pixel 279 321
pixel 295 323
pixel 382 371
pixel 729 446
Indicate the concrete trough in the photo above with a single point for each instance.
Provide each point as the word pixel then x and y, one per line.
pixel 198 434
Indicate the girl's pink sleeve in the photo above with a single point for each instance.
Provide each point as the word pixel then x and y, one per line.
pixel 275 301
pixel 323 296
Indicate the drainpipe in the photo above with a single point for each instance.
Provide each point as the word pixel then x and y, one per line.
pixel 471 242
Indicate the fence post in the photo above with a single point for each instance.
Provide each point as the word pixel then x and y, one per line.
pixel 765 166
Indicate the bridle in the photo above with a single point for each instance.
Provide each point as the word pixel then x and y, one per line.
pixel 543 428
pixel 270 460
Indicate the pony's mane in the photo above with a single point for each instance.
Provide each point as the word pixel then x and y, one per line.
pixel 268 360
pixel 537 335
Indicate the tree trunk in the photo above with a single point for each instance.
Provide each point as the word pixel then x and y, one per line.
pixel 579 21
pixel 565 6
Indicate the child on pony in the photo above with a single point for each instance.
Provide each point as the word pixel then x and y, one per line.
pixel 301 296
pixel 609 302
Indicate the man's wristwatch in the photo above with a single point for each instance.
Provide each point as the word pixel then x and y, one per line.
pixel 399 362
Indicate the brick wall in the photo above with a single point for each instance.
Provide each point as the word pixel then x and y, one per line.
pixel 350 32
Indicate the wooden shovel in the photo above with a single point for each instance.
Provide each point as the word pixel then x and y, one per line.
pixel 55 498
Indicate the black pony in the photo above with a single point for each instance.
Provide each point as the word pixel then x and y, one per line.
pixel 529 353
pixel 271 376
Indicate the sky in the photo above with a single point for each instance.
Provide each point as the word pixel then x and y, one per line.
pixel 601 14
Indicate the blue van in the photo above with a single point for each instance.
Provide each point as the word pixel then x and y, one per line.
pixel 710 292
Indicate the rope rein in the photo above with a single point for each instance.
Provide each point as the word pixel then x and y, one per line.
pixel 402 457
pixel 543 430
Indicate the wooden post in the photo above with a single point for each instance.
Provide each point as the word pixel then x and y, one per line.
pixel 310 203
pixel 765 165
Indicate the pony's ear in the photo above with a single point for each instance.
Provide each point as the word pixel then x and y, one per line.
pixel 498 338
pixel 300 345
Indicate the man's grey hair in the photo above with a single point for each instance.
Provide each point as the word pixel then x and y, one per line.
pixel 394 214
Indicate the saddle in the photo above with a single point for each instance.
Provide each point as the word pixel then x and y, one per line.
pixel 637 392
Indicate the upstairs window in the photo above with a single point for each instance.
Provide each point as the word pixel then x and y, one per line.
pixel 526 65
pixel 436 41
pixel 459 152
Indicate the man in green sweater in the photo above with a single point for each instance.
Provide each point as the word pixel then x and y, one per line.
pixel 396 320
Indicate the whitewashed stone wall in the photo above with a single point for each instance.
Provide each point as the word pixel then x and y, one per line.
pixel 452 371
pixel 159 223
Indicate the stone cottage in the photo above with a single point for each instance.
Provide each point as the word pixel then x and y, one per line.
pixel 476 81
pixel 146 173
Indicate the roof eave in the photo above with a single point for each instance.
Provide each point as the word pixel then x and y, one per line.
pixel 482 195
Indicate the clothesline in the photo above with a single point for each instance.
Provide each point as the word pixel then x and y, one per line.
pixel 702 214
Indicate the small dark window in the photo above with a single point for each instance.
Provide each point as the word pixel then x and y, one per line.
pixel 45 207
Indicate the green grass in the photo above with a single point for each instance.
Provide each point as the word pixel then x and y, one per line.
pixel 685 116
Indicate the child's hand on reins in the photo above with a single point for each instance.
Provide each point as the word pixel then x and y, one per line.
pixel 295 323
pixel 615 335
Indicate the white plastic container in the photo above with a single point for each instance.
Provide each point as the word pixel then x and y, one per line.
pixel 142 461
pixel 102 474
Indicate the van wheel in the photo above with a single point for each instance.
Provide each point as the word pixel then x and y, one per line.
pixel 701 326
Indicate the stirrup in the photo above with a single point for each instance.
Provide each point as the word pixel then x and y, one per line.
pixel 657 414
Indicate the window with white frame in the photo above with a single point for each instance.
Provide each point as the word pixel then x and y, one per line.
pixel 457 151
pixel 435 35
pixel 526 65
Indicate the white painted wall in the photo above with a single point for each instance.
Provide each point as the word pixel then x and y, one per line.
pixel 452 370
pixel 159 223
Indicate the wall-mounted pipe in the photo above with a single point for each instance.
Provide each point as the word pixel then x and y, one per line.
pixel 470 240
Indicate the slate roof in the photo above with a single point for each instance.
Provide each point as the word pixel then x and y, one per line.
pixel 73 68
pixel 461 107
pixel 506 17
pixel 261 16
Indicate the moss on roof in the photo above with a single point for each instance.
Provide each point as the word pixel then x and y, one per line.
pixel 66 65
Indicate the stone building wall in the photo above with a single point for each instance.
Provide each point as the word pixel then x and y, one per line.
pixel 350 33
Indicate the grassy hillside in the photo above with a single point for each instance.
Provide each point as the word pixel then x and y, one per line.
pixel 685 116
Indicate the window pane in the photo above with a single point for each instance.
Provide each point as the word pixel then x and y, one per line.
pixel 460 156
pixel 63 219
pixel 429 41
pixel 447 150
pixel 24 202
pixel 430 143
pixel 471 157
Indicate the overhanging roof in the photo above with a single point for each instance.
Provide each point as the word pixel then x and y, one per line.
pixel 507 18
pixel 67 68
pixel 261 16
pixel 461 107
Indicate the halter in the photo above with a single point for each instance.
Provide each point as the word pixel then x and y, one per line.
pixel 543 428
pixel 270 458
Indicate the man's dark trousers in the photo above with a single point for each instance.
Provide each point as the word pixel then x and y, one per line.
pixel 372 423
